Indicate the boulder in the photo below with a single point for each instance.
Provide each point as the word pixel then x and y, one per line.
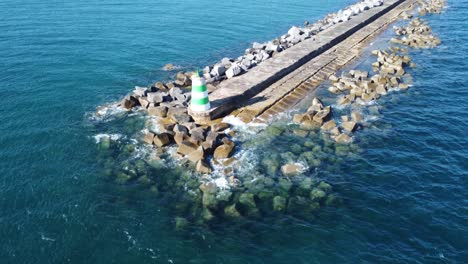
pixel 224 151
pixel 186 147
pixel 198 133
pixel 291 169
pixel 333 78
pixel 143 102
pixel 140 91
pixel 177 94
pixel 349 126
pixel 366 97
pixel 149 138
pixel 180 129
pixel 310 124
pixel 272 47
pixel 250 57
pixel 247 200
pixel 329 125
pixel 212 136
pixel 208 188
pixel 169 67
pixel 226 62
pixel 295 31
pixel 203 167
pixel 325 187
pixel 182 79
pixel 381 89
pixel 317 102
pixel 322 115
pixel 170 85
pixel 196 155
pixel 207 69
pixel 159 111
pixel 234 70
pixel 343 139
pixel 335 131
pixel 220 127
pixel 403 86
pixel 258 46
pixel 231 211
pixel 317 195
pixel 129 102
pixel 356 117
pixel 160 86
pixel 155 98
pixel 180 137
pixel 279 203
pixel 181 118
pixel 181 223
pixel 218 70
pixel 162 140
pixel 207 215
pixel 298 118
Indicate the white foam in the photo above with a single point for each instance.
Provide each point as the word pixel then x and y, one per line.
pixel 303 167
pixel 113 137
pixel 221 183
pixel 47 238
pixel 105 113
pixel 241 125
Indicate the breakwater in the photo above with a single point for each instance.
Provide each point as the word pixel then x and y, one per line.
pixel 279 184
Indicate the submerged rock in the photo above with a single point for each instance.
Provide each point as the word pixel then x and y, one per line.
pixel 247 200
pixel 317 195
pixel 279 203
pixel 343 139
pixel 231 211
pixel 349 126
pixel 169 67
pixel 181 223
pixel 285 184
pixel 292 169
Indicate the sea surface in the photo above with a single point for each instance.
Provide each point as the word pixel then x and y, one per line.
pixel 404 193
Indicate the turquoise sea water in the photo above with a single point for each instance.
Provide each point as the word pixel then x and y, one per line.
pixel 404 196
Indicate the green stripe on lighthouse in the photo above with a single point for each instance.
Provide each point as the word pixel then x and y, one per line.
pixel 201 101
pixel 201 88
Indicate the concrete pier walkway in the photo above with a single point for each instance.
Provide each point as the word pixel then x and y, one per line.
pixel 281 82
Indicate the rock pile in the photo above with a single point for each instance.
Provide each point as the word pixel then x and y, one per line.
pixel 259 52
pixel 389 73
pixel 319 116
pixel 431 7
pixel 417 34
pixel 194 142
pixel 169 100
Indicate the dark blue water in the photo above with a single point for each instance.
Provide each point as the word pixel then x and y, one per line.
pixel 404 196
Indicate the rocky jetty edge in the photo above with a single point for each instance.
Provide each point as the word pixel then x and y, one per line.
pixel 228 197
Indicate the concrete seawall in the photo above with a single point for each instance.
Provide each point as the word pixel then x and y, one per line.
pixel 233 94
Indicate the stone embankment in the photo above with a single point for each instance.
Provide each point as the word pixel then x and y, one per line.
pixel 360 87
pixel 282 186
pixel 169 101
